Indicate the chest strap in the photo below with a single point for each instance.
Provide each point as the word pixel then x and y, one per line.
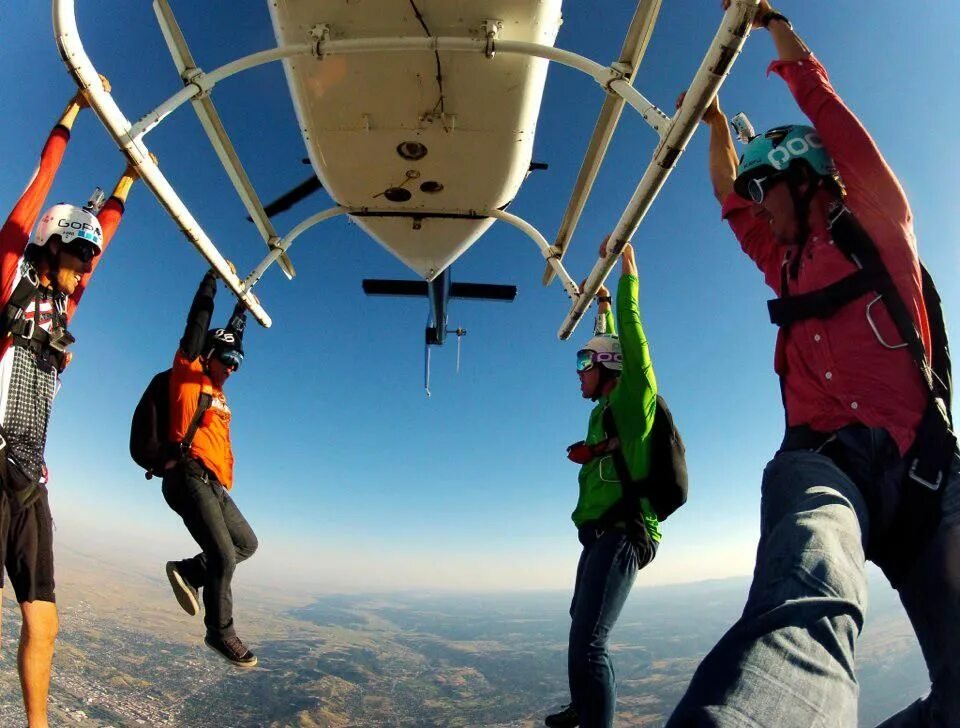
pixel 872 276
pixel 26 332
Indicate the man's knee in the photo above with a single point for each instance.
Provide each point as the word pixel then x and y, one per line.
pixel 587 645
pixel 248 548
pixel 40 622
pixel 814 520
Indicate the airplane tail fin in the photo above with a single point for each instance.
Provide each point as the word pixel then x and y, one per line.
pixel 435 333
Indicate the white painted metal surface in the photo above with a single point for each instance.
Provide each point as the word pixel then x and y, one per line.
pixel 477 124
pixel 216 133
pixel 631 55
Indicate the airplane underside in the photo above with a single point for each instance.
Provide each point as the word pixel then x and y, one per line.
pixel 444 133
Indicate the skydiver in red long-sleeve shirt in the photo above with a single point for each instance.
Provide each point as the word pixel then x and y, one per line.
pixel 868 468
pixel 42 278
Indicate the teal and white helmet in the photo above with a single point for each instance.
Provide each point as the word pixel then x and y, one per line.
pixel 779 149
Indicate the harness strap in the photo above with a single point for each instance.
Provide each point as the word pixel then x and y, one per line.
pixel 824 302
pixel 934 442
pixel 856 243
pixel 628 507
pixel 23 293
pixel 203 404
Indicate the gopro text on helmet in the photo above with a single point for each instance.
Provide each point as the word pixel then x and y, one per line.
pixel 74 225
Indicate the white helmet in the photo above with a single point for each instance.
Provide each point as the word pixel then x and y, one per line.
pixel 603 349
pixel 73 224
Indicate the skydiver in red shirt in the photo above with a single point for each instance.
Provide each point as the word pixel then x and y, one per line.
pixel 868 468
pixel 42 278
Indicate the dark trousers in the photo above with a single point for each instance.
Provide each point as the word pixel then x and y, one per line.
pixel 606 572
pixel 224 536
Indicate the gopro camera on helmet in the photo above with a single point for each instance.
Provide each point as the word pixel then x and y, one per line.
pixel 95 203
pixel 741 124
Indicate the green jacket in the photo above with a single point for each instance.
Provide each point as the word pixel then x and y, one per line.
pixel 634 404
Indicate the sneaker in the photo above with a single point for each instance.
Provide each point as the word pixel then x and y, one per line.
pixel 186 595
pixel 566 718
pixel 232 649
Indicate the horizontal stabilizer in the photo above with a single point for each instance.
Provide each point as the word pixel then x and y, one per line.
pixel 380 287
pixel 483 291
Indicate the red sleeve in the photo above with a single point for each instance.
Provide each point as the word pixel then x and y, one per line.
pixel 15 233
pixel 109 218
pixel 863 169
pixel 755 238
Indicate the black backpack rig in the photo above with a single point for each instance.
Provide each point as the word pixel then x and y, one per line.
pixel 665 486
pixel 150 446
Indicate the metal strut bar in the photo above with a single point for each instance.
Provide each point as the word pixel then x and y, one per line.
pixel 549 252
pixel 86 77
pixel 723 51
pixel 280 248
pixel 213 126
pixel 610 78
pixel 631 55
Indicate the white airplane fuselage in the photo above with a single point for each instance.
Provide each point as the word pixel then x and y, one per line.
pixel 383 134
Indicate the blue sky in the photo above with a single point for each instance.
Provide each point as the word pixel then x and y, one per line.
pixel 350 476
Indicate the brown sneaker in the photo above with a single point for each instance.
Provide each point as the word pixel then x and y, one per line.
pixel 232 650
pixel 186 595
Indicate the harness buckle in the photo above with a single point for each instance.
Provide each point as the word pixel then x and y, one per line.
pixel 60 340
pixel 27 328
pixel 917 478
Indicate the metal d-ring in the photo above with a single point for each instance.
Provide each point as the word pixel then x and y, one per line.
pixel 876 331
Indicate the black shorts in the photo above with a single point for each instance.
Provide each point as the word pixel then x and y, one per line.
pixel 26 541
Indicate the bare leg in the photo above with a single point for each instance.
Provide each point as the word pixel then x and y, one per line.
pixel 35 658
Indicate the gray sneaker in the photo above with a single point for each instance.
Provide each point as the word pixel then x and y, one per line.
pixel 232 650
pixel 186 595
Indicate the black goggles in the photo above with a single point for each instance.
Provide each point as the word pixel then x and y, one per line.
pixel 758 186
pixel 230 358
pixel 85 253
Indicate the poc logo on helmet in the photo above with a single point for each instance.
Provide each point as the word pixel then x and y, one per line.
pixel 780 156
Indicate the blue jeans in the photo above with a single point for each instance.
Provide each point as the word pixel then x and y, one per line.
pixel 789 660
pixel 606 572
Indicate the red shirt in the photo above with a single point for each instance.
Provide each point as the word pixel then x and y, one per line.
pixel 836 372
pixel 15 233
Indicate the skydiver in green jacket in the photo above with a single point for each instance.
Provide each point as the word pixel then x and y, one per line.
pixel 619 537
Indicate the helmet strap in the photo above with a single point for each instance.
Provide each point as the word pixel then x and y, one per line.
pixel 801 211
pixel 46 264
pixel 606 376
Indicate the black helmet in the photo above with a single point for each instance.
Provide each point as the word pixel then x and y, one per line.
pixel 225 345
